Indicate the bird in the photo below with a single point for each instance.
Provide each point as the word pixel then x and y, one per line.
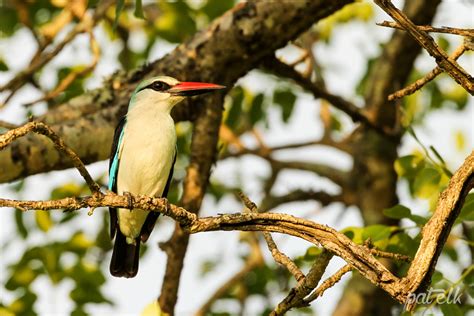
pixel 141 162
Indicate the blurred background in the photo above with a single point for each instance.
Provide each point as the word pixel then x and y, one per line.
pixel 55 263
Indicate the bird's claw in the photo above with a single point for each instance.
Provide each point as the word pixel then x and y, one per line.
pixel 130 199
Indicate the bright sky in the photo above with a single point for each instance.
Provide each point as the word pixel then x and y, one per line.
pixel 344 61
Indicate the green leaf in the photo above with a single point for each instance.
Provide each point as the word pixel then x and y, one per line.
pixel 3 65
pixel 409 166
pixel 20 224
pixel 426 183
pixel 175 22
pixel 311 253
pixel 354 233
pixel 138 9
pixel 43 220
pixel 451 310
pixel 235 111
pixel 451 253
pixel 256 109
pixel 286 99
pixel 215 8
pixel 70 189
pixel 9 20
pixel 402 243
pixel 417 219
pixel 24 304
pixel 467 211
pixel 437 277
pixel 376 232
pixel 118 10
pixel 397 212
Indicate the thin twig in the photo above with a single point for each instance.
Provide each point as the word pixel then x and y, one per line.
pixel 43 129
pixel 277 255
pixel 71 77
pixel 429 28
pixel 418 84
pixel 37 62
pixel 426 41
pixel 329 282
pixel 355 113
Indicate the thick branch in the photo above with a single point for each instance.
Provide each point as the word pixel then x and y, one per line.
pixel 297 294
pixel 42 129
pixel 436 231
pixel 230 47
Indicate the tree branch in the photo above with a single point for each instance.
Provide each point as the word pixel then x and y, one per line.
pixel 418 84
pixel 42 129
pixel 429 28
pixel 426 41
pixel 281 69
pixel 434 233
pixel 225 51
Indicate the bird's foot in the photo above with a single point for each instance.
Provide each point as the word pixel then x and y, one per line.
pixel 130 199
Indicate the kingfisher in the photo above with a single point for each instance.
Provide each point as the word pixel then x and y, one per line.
pixel 142 160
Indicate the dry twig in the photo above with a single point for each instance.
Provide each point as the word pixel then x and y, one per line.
pixel 43 129
pixel 279 256
pixel 434 233
pixel 426 41
pixel 418 84
pixel 429 28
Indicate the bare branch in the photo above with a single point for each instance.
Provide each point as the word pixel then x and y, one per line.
pixel 272 201
pixel 429 28
pixel 329 282
pixel 71 77
pixel 40 60
pixel 436 231
pixel 418 84
pixel 335 175
pixel 43 129
pixel 279 256
pixel 426 41
pixel 296 296
pixel 284 70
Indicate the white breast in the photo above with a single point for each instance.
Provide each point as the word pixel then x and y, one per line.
pixel 147 152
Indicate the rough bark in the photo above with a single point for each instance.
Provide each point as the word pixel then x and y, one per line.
pixel 225 51
pixel 374 179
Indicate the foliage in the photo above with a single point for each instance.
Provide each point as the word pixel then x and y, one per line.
pixel 80 257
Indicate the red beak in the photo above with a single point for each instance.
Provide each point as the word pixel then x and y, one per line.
pixel 193 88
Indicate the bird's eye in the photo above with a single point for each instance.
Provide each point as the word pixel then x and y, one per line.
pixel 160 86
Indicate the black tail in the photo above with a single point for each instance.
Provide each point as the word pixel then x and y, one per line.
pixel 124 261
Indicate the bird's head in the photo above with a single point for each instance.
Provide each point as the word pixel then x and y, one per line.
pixel 167 91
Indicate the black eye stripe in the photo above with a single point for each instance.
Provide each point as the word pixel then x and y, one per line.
pixel 157 86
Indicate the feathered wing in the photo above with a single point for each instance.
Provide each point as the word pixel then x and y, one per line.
pixel 152 216
pixel 124 262
pixel 114 163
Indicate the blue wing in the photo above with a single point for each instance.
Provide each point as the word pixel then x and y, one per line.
pixel 114 163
